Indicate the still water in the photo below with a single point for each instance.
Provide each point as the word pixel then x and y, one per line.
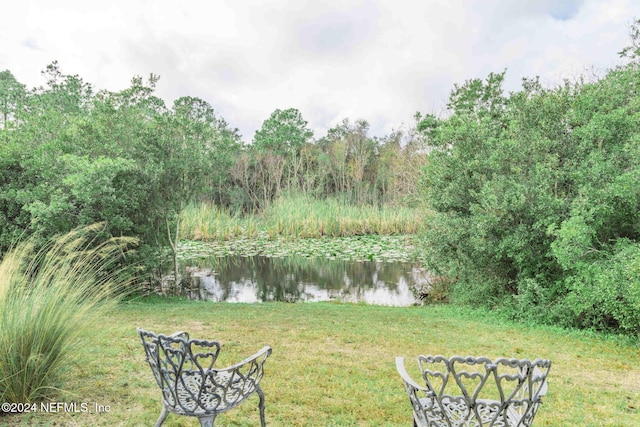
pixel 260 278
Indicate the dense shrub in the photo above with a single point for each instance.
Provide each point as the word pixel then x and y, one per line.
pixel 537 199
pixel 70 157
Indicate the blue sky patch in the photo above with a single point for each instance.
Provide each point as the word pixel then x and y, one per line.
pixel 564 10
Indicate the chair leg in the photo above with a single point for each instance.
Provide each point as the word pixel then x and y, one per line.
pixel 207 421
pixel 162 417
pixel 263 422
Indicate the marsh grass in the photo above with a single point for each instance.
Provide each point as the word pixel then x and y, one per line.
pixel 209 222
pixel 46 297
pixel 301 216
pixel 304 216
pixel 333 364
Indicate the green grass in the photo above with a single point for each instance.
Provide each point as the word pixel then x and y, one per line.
pixel 333 364
pixel 300 217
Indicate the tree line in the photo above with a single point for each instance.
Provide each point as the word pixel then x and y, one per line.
pixel 71 156
pixel 533 196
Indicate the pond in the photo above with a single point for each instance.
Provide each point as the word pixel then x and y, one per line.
pixel 257 278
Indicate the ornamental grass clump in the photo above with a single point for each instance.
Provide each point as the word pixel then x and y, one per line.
pixel 46 298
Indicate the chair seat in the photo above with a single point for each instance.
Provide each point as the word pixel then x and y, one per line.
pixel 220 393
pixel 456 410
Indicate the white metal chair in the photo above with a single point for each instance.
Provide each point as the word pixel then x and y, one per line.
pixel 184 370
pixel 475 391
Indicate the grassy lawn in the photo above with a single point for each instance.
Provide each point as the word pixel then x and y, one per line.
pixel 333 364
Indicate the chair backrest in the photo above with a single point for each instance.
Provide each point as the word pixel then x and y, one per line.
pixel 176 361
pixel 476 391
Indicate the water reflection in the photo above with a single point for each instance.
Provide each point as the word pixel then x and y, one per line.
pixel 260 278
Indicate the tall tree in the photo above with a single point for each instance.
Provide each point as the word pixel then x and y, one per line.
pixel 279 142
pixel 402 155
pixel 191 145
pixel 12 96
pixel 353 158
pixel 284 132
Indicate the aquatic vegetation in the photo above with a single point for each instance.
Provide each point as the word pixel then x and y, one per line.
pixel 356 248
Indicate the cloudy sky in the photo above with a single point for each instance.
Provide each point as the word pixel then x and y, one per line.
pixel 377 60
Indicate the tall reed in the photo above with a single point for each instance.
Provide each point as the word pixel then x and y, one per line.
pixel 208 222
pixel 46 298
pixel 302 216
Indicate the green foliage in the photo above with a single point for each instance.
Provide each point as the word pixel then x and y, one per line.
pixel 89 190
pixel 71 156
pixel 46 299
pixel 605 292
pixel 74 157
pixel 285 131
pixel 346 164
pixel 12 94
pixel 353 159
pixel 533 195
pixel 537 199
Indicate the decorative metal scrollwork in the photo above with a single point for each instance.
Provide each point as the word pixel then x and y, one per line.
pixel 190 383
pixel 475 391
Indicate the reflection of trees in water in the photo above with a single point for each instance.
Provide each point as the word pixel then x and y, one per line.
pixel 295 278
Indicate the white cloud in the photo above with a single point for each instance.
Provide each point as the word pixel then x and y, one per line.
pixel 372 59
